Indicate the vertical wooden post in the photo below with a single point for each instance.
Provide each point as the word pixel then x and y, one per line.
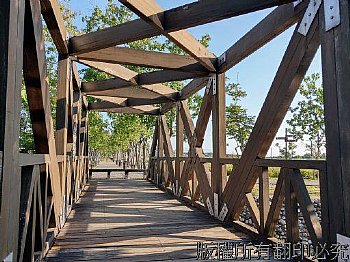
pixel 264 197
pixel 336 85
pixel 291 207
pixel 179 146
pixel 63 85
pixel 219 173
pixel 11 61
pixel 159 174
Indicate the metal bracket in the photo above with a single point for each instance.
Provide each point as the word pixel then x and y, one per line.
pixel 210 209
pixel 222 59
pixel 223 213
pixel 213 82
pixel 297 2
pixel 216 205
pixel 309 16
pixel 331 14
pixel 207 89
pixel 9 258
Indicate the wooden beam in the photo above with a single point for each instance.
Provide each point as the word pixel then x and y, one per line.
pixel 179 146
pixel 34 72
pixel 168 150
pixel 294 65
pixel 11 57
pixel 115 100
pixel 291 208
pixel 270 27
pixel 51 12
pixel 176 19
pixel 264 197
pixel 125 92
pixel 126 77
pixel 148 81
pixel 336 182
pixel 218 170
pixel 64 83
pixel 148 11
pixel 115 108
pixel 193 87
pixel 130 56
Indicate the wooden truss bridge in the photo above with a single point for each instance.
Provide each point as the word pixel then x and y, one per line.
pixel 39 191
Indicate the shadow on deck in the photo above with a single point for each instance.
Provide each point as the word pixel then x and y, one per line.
pixel 132 220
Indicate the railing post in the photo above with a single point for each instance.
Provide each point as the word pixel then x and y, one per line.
pixel 291 209
pixel 179 147
pixel 264 197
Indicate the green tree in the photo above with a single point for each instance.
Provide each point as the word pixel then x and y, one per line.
pixel 239 123
pixel 307 121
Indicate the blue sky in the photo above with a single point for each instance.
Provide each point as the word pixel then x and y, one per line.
pixel 255 74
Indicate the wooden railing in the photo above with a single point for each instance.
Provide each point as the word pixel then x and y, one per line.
pixel 37 225
pixel 290 190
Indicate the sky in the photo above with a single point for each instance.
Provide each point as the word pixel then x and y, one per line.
pixel 255 74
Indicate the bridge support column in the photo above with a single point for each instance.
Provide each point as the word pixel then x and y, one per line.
pixel 335 184
pixel 219 173
pixel 11 61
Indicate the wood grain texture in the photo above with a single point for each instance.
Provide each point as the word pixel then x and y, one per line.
pixel 133 221
pixel 11 60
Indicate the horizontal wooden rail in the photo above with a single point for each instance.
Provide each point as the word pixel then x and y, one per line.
pixel 36 159
pixel 297 164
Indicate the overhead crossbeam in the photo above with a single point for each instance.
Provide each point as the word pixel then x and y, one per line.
pixel 130 56
pixel 183 17
pixel 106 106
pixel 148 11
pixel 124 78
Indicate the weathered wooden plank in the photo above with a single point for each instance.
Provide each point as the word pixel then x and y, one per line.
pixel 218 170
pixel 148 81
pixel 276 204
pixel 179 146
pixel 126 92
pixel 126 77
pixel 65 82
pixel 176 19
pixel 193 87
pixel 114 107
pixel 51 12
pixel 306 206
pixel 264 197
pixel 294 65
pixel 270 27
pixel 335 65
pixel 135 223
pixel 253 209
pixel 11 58
pixel 298 164
pixel 291 209
pixel 148 11
pixel 34 72
pixel 168 150
pixel 130 56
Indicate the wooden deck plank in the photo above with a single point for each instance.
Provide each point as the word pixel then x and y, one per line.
pixel 131 220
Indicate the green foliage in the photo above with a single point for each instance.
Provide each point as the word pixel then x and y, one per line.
pixel 238 123
pixel 307 121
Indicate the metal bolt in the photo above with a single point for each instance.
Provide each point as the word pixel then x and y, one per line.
pixel 331 7
pixel 332 17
